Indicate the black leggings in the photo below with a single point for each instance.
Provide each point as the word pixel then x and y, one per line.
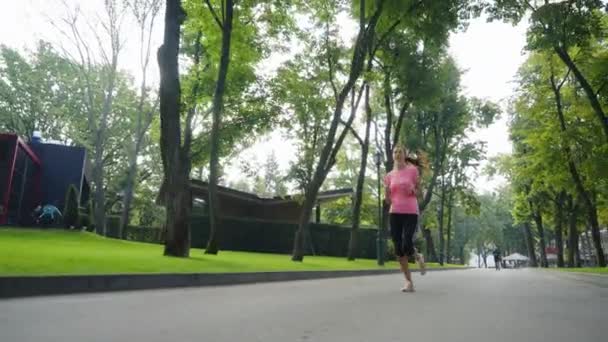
pixel 403 227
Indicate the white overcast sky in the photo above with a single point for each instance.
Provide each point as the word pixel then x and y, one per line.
pixel 488 53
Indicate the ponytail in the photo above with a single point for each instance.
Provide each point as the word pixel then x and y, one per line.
pixel 421 161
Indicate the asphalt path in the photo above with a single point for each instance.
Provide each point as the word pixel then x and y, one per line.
pixel 471 305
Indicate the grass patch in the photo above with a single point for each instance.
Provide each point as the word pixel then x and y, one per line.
pixel 596 270
pixel 59 252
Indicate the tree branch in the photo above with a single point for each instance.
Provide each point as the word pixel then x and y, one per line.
pixel 195 90
pixel 530 6
pixel 601 88
pixel 330 63
pixel 353 132
pixel 399 122
pixel 217 19
pixel 223 8
pixel 564 79
pixel 389 118
pixel 348 124
pixel 394 25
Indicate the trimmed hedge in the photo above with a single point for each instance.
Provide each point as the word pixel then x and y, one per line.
pixel 276 237
pixel 144 234
pixel 251 235
pixel 113 226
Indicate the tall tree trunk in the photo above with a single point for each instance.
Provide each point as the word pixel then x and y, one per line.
pixel 448 258
pixel 430 246
pixel 176 194
pixel 461 255
pixel 572 233
pixel 218 108
pixel 99 201
pixel 309 201
pixel 530 244
pixel 128 198
pixel 538 219
pixel 440 217
pixel 131 175
pixel 596 235
pixel 591 95
pixel 100 140
pixel 559 223
pixel 142 128
pixel 578 181
pixel 332 146
pixel 352 244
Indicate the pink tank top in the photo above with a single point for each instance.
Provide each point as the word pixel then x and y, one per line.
pixel 402 185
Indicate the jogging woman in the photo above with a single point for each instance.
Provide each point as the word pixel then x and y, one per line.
pixel 401 189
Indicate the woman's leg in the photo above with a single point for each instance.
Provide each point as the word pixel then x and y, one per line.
pixel 405 268
pixel 409 228
pixel 397 234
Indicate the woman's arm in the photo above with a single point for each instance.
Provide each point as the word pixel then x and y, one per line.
pixel 387 189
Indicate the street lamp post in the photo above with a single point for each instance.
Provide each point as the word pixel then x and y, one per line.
pixel 380 249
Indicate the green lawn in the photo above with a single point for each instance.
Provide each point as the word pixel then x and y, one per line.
pixel 597 270
pixel 53 252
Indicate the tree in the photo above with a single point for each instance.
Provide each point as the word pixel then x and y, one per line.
pixel 91 63
pixel 345 175
pixel 332 145
pixel 145 13
pixel 394 18
pixel 436 127
pixel 559 226
pixel 455 186
pixel 510 166
pixel 573 233
pixel 358 201
pixel 553 127
pixel 563 27
pixel 241 185
pixel 543 80
pixel 44 93
pixel 582 192
pixel 225 24
pixel 273 179
pixel 37 93
pixel 302 88
pixel 233 38
pixel 175 156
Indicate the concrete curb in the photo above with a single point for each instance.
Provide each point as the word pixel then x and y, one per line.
pixel 11 287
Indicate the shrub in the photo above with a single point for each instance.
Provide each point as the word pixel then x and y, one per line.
pixel 70 210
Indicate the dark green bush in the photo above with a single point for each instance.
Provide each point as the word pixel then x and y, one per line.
pixel 70 210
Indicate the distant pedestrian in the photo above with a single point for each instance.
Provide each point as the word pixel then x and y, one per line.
pixel 401 189
pixel 497 259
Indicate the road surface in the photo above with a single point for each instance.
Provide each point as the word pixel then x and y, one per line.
pixel 472 305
